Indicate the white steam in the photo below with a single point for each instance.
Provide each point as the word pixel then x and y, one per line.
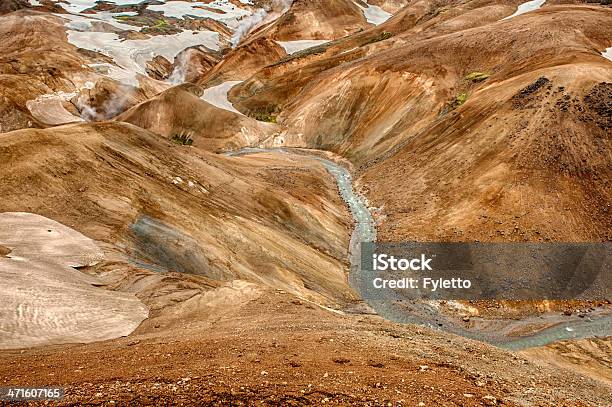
pixel 114 105
pixel 247 24
pixel 88 113
pixel 276 9
pixel 179 73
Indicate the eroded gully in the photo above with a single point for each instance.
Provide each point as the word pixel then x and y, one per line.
pixel 497 332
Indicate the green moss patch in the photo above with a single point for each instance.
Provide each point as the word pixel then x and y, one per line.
pixel 477 76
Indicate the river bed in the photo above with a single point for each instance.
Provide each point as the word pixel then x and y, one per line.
pixel 550 327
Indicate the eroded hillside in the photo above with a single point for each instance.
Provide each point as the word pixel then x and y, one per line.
pixel 459 120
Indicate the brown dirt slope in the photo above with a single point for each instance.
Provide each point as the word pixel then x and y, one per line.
pixel 269 348
pixel 586 356
pixel 242 62
pixel 505 153
pixel 198 61
pixel 36 59
pixel 268 220
pixel 317 20
pixel 513 163
pixel 180 112
pixel 283 80
pixel 8 6
pixel 365 107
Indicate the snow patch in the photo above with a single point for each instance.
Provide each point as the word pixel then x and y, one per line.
pixel 131 56
pixel 217 96
pixel 49 109
pixel 78 6
pixel 79 22
pixel 291 47
pixel 44 299
pixel 607 54
pixel 228 13
pixel 526 7
pixel 374 14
